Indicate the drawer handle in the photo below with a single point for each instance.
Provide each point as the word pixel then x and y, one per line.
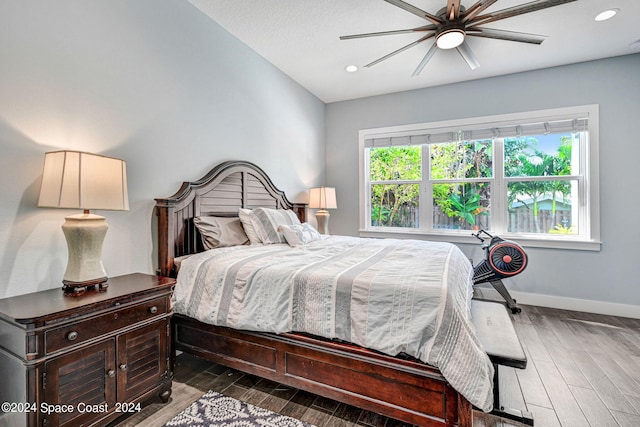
pixel 111 373
pixel 71 336
pixel 153 310
pixel 123 367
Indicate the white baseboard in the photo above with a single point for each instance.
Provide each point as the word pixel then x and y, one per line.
pixel 589 306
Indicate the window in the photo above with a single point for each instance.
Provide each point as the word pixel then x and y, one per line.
pixel 530 176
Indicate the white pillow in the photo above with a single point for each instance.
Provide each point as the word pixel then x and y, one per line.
pixel 266 222
pixel 245 219
pixel 300 234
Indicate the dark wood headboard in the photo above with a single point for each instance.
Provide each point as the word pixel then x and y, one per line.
pixel 227 187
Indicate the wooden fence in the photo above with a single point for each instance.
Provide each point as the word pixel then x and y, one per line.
pixel 524 222
pixel 521 221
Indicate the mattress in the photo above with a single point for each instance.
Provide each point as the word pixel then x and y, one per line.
pixel 394 296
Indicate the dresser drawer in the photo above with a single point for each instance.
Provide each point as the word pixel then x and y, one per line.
pixel 81 331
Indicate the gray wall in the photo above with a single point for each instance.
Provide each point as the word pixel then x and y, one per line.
pixel 154 82
pixel 611 275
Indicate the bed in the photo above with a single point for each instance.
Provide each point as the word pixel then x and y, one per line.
pixel 401 387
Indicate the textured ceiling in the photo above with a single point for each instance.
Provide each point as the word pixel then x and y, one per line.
pixel 301 37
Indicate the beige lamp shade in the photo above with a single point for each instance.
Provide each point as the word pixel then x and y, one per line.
pixel 322 198
pixel 78 180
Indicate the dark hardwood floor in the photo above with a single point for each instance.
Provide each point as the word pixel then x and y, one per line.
pixel 583 370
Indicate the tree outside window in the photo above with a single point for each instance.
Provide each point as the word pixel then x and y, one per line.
pixel 395 173
pixel 539 173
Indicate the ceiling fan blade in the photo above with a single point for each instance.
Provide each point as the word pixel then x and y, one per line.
pixel 517 10
pixel 402 49
pixel 476 9
pixel 415 10
pixel 514 36
pixel 453 9
pixel 466 53
pixel 388 33
pixel 425 60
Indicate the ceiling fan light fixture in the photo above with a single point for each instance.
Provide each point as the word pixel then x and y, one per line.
pixel 448 39
pixel 450 24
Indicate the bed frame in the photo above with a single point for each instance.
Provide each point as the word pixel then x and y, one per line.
pixel 406 390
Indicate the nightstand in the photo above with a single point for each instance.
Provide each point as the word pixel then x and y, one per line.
pixel 88 359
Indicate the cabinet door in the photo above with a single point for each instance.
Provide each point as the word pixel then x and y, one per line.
pixel 142 360
pixel 84 381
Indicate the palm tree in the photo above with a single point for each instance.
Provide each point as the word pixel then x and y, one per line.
pixel 537 165
pixel 560 165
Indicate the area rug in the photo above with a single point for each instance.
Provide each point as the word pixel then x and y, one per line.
pixel 215 409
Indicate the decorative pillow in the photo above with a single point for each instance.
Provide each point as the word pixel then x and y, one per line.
pixel 219 232
pixel 300 234
pixel 248 225
pixel 266 222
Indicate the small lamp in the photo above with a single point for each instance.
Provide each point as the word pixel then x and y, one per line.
pixel 78 180
pixel 322 198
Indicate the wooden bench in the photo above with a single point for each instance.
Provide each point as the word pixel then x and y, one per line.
pixel 499 339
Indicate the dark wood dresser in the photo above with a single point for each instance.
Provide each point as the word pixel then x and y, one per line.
pixel 86 359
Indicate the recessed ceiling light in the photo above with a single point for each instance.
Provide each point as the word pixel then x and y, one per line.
pixel 351 68
pixel 606 14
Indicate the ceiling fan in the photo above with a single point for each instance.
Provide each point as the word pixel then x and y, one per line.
pixel 451 25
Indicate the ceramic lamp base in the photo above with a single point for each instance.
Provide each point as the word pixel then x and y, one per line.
pixel 322 217
pixel 85 234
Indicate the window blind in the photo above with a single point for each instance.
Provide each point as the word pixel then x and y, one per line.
pixel 503 131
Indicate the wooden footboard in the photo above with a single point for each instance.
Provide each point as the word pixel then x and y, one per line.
pixel 405 390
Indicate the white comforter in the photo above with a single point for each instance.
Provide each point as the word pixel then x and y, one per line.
pixel 394 296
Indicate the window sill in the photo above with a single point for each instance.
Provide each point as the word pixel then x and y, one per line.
pixel 467 238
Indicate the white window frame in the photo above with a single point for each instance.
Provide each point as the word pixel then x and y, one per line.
pixel 589 199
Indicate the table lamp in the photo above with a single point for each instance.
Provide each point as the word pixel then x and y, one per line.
pixel 322 198
pixel 78 180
